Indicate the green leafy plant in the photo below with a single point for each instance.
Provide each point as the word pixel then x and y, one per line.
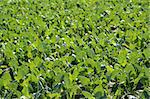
pixel 74 49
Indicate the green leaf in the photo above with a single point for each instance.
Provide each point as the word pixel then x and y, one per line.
pixel 34 78
pixel 122 57
pixel 67 81
pixel 138 78
pixel 99 89
pixel 37 61
pixel 90 53
pixel 25 91
pixel 22 71
pixel 110 69
pixel 129 68
pixel 84 80
pixel 147 52
pixel 6 78
pixel 1 71
pixel 102 42
pixel 134 56
pixel 87 95
pixel 13 86
pixel 54 95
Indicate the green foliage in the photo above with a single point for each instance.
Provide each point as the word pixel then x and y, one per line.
pixel 72 49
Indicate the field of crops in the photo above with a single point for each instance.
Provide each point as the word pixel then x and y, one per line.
pixel 74 49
